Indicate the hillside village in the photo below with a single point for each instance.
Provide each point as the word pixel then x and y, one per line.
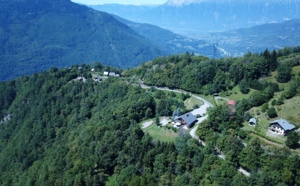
pixel 161 109
pixel 271 128
pixel 169 107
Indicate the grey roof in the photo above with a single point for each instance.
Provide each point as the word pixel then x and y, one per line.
pixel 284 124
pixel 189 118
pixel 112 74
pixel 252 120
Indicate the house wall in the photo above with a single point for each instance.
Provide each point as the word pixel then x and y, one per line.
pixel 277 129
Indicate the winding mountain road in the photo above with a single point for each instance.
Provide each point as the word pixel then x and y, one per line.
pixel 204 107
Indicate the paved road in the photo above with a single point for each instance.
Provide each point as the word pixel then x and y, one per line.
pixel 246 173
pixel 193 131
pixel 205 105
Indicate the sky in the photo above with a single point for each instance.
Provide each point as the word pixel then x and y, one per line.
pixel 132 2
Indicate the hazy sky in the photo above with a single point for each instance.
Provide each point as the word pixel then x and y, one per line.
pixel 134 2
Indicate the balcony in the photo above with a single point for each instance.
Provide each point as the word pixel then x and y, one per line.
pixel 276 130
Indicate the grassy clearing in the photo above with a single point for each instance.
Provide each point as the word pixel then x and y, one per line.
pixel 221 101
pixel 160 133
pixel 208 98
pixel 296 70
pixel 235 94
pixel 289 111
pixel 191 102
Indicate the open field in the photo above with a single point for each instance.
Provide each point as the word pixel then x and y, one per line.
pixel 290 111
pixel 235 94
pixel 191 102
pixel 159 133
pixel 208 98
pixel 221 101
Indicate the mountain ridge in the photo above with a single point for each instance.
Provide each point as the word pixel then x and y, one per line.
pixel 170 41
pixel 270 36
pixel 36 36
pixel 187 17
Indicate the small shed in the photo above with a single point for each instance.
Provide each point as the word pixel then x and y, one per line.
pixel 105 73
pixel 252 122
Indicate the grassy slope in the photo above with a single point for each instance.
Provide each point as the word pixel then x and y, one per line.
pixel 236 95
pixel 289 111
pixel 191 102
pixel 159 133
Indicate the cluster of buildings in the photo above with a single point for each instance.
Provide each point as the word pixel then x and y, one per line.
pixel 280 126
pixel 111 74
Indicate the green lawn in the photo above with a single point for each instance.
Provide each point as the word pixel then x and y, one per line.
pixel 191 102
pixel 235 94
pixel 296 70
pixel 290 110
pixel 161 133
pixel 221 101
pixel 208 98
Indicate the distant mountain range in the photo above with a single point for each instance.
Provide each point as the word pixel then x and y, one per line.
pixel 256 39
pixel 38 34
pixel 170 41
pixel 200 16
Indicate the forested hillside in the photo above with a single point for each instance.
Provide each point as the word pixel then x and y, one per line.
pixel 255 79
pixel 65 132
pixel 36 35
pixel 200 74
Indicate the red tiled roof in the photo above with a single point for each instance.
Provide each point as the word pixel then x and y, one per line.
pixel 230 102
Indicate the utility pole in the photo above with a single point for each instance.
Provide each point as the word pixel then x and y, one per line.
pixel 215 45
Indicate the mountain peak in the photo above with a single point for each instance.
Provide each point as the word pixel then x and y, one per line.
pixel 183 2
pixel 188 2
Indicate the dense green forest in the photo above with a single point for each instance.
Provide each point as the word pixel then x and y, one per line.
pixel 59 131
pixel 64 132
pixel 203 75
